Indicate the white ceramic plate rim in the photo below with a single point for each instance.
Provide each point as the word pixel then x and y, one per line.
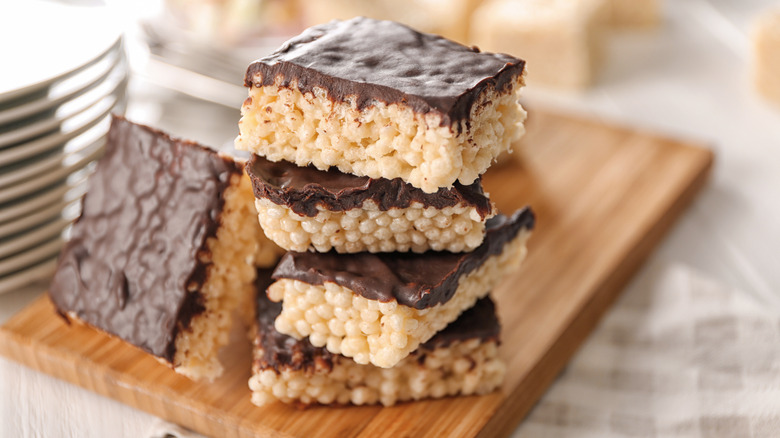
pixel 10 249
pixel 80 146
pixel 56 97
pixel 100 37
pixel 43 144
pixel 35 219
pixel 33 255
pixel 28 275
pixel 36 184
pixel 30 169
pixel 40 127
pixel 68 192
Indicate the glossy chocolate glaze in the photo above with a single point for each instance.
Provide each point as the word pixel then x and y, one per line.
pixel 370 60
pixel 138 256
pixel 478 322
pixel 415 280
pixel 302 189
pixel 279 351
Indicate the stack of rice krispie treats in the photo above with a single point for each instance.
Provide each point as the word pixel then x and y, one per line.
pixel 368 142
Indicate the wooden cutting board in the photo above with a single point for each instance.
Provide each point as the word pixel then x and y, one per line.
pixel 604 197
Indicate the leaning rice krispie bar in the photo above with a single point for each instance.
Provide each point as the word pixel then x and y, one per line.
pixel 302 208
pixel 378 99
pixel 461 359
pixel 164 249
pixel 378 308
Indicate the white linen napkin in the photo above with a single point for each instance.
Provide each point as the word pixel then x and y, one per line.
pixel 678 356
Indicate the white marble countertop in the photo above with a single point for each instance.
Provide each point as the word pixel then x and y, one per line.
pixel 689 78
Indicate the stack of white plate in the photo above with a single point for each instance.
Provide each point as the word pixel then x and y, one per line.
pixel 64 73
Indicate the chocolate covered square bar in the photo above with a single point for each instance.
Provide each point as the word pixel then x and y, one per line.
pixel 461 359
pixel 378 308
pixel 379 99
pixel 164 249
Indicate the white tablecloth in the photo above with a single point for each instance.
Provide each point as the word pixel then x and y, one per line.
pixel 679 356
pixel 688 78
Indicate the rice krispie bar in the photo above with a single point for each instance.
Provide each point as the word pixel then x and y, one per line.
pixel 766 55
pixel 378 308
pixel 461 359
pixel 446 18
pixel 302 208
pixel 561 39
pixel 634 13
pixel 164 249
pixel 378 99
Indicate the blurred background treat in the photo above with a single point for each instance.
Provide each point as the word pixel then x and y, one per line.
pixel 634 13
pixel 232 22
pixel 561 40
pixel 766 54
pixel 449 18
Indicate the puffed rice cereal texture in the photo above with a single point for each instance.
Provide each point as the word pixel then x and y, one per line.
pixel 418 228
pixel 464 367
pixel 383 140
pixel 381 333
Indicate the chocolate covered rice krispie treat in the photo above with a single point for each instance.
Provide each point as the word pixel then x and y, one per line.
pixel 302 208
pixel 164 249
pixel 461 359
pixel 378 308
pixel 378 99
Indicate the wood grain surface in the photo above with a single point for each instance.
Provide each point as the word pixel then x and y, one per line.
pixel 604 197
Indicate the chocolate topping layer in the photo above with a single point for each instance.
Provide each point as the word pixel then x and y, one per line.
pixel 281 351
pixel 479 322
pixel 415 280
pixel 302 189
pixel 138 256
pixel 370 60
